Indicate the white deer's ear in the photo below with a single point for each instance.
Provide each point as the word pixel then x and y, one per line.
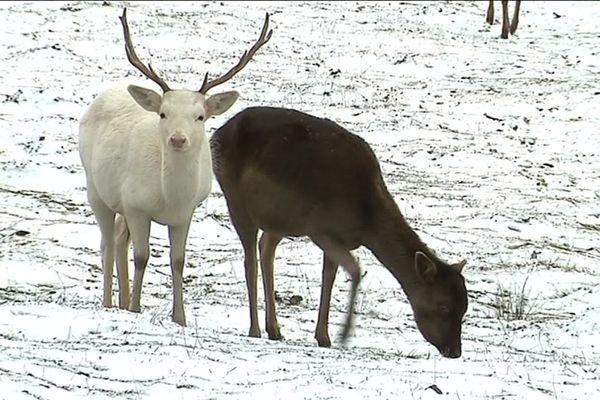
pixel 426 269
pixel 219 103
pixel 148 99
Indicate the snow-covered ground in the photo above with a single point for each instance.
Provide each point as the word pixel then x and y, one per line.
pixel 491 148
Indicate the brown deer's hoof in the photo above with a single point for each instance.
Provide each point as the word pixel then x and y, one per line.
pixel 254 332
pixel 274 334
pixel 324 341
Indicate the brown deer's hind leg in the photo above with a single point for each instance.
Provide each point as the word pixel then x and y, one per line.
pixel 322 331
pixel 248 239
pixel 247 233
pixel 515 20
pixel 490 13
pixel 267 245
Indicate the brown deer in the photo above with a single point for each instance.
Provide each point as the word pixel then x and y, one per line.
pixel 505 22
pixel 292 174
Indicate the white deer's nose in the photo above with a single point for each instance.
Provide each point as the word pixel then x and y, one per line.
pixel 178 141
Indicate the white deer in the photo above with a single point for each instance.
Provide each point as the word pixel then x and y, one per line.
pixel 147 158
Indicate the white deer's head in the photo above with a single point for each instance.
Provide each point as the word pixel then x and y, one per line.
pixel 183 112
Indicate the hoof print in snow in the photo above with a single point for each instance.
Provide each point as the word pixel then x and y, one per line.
pixel 435 388
pixel 295 300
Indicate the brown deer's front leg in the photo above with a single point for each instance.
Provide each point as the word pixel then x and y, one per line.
pixel 505 21
pixel 322 331
pixel 340 256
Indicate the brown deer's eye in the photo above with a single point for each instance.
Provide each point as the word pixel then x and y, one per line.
pixel 162 116
pixel 444 309
pixel 200 118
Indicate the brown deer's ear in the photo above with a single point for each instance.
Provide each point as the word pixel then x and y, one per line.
pixel 459 267
pixel 426 269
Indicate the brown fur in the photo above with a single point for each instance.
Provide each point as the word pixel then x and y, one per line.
pixel 288 173
pixel 506 25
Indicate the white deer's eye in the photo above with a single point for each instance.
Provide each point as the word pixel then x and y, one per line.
pixel 200 118
pixel 162 116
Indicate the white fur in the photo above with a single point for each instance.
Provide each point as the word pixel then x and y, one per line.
pixel 146 168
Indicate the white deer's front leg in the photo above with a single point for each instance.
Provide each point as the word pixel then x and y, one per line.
pixel 178 237
pixel 139 228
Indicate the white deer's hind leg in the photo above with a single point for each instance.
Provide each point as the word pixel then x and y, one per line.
pixel 122 239
pixel 139 228
pixel 106 221
pixel 178 237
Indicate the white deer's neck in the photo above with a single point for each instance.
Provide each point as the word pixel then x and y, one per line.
pixel 186 177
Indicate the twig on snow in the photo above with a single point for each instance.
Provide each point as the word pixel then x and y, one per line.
pixel 493 118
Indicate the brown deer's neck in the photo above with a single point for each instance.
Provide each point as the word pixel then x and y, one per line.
pixel 395 243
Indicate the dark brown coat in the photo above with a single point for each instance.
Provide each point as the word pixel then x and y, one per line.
pixel 292 174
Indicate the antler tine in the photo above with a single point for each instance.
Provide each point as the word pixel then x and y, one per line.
pixel 244 59
pixel 134 59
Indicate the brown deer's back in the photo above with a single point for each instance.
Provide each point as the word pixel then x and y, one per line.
pixel 287 166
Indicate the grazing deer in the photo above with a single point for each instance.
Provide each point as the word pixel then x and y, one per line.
pixel 293 174
pixel 505 22
pixel 147 158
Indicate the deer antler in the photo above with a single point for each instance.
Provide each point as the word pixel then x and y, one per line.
pixel 133 58
pixel 246 57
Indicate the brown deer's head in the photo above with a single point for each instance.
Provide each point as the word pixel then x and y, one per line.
pixel 439 302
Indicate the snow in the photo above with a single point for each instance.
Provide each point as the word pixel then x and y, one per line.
pixel 490 147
